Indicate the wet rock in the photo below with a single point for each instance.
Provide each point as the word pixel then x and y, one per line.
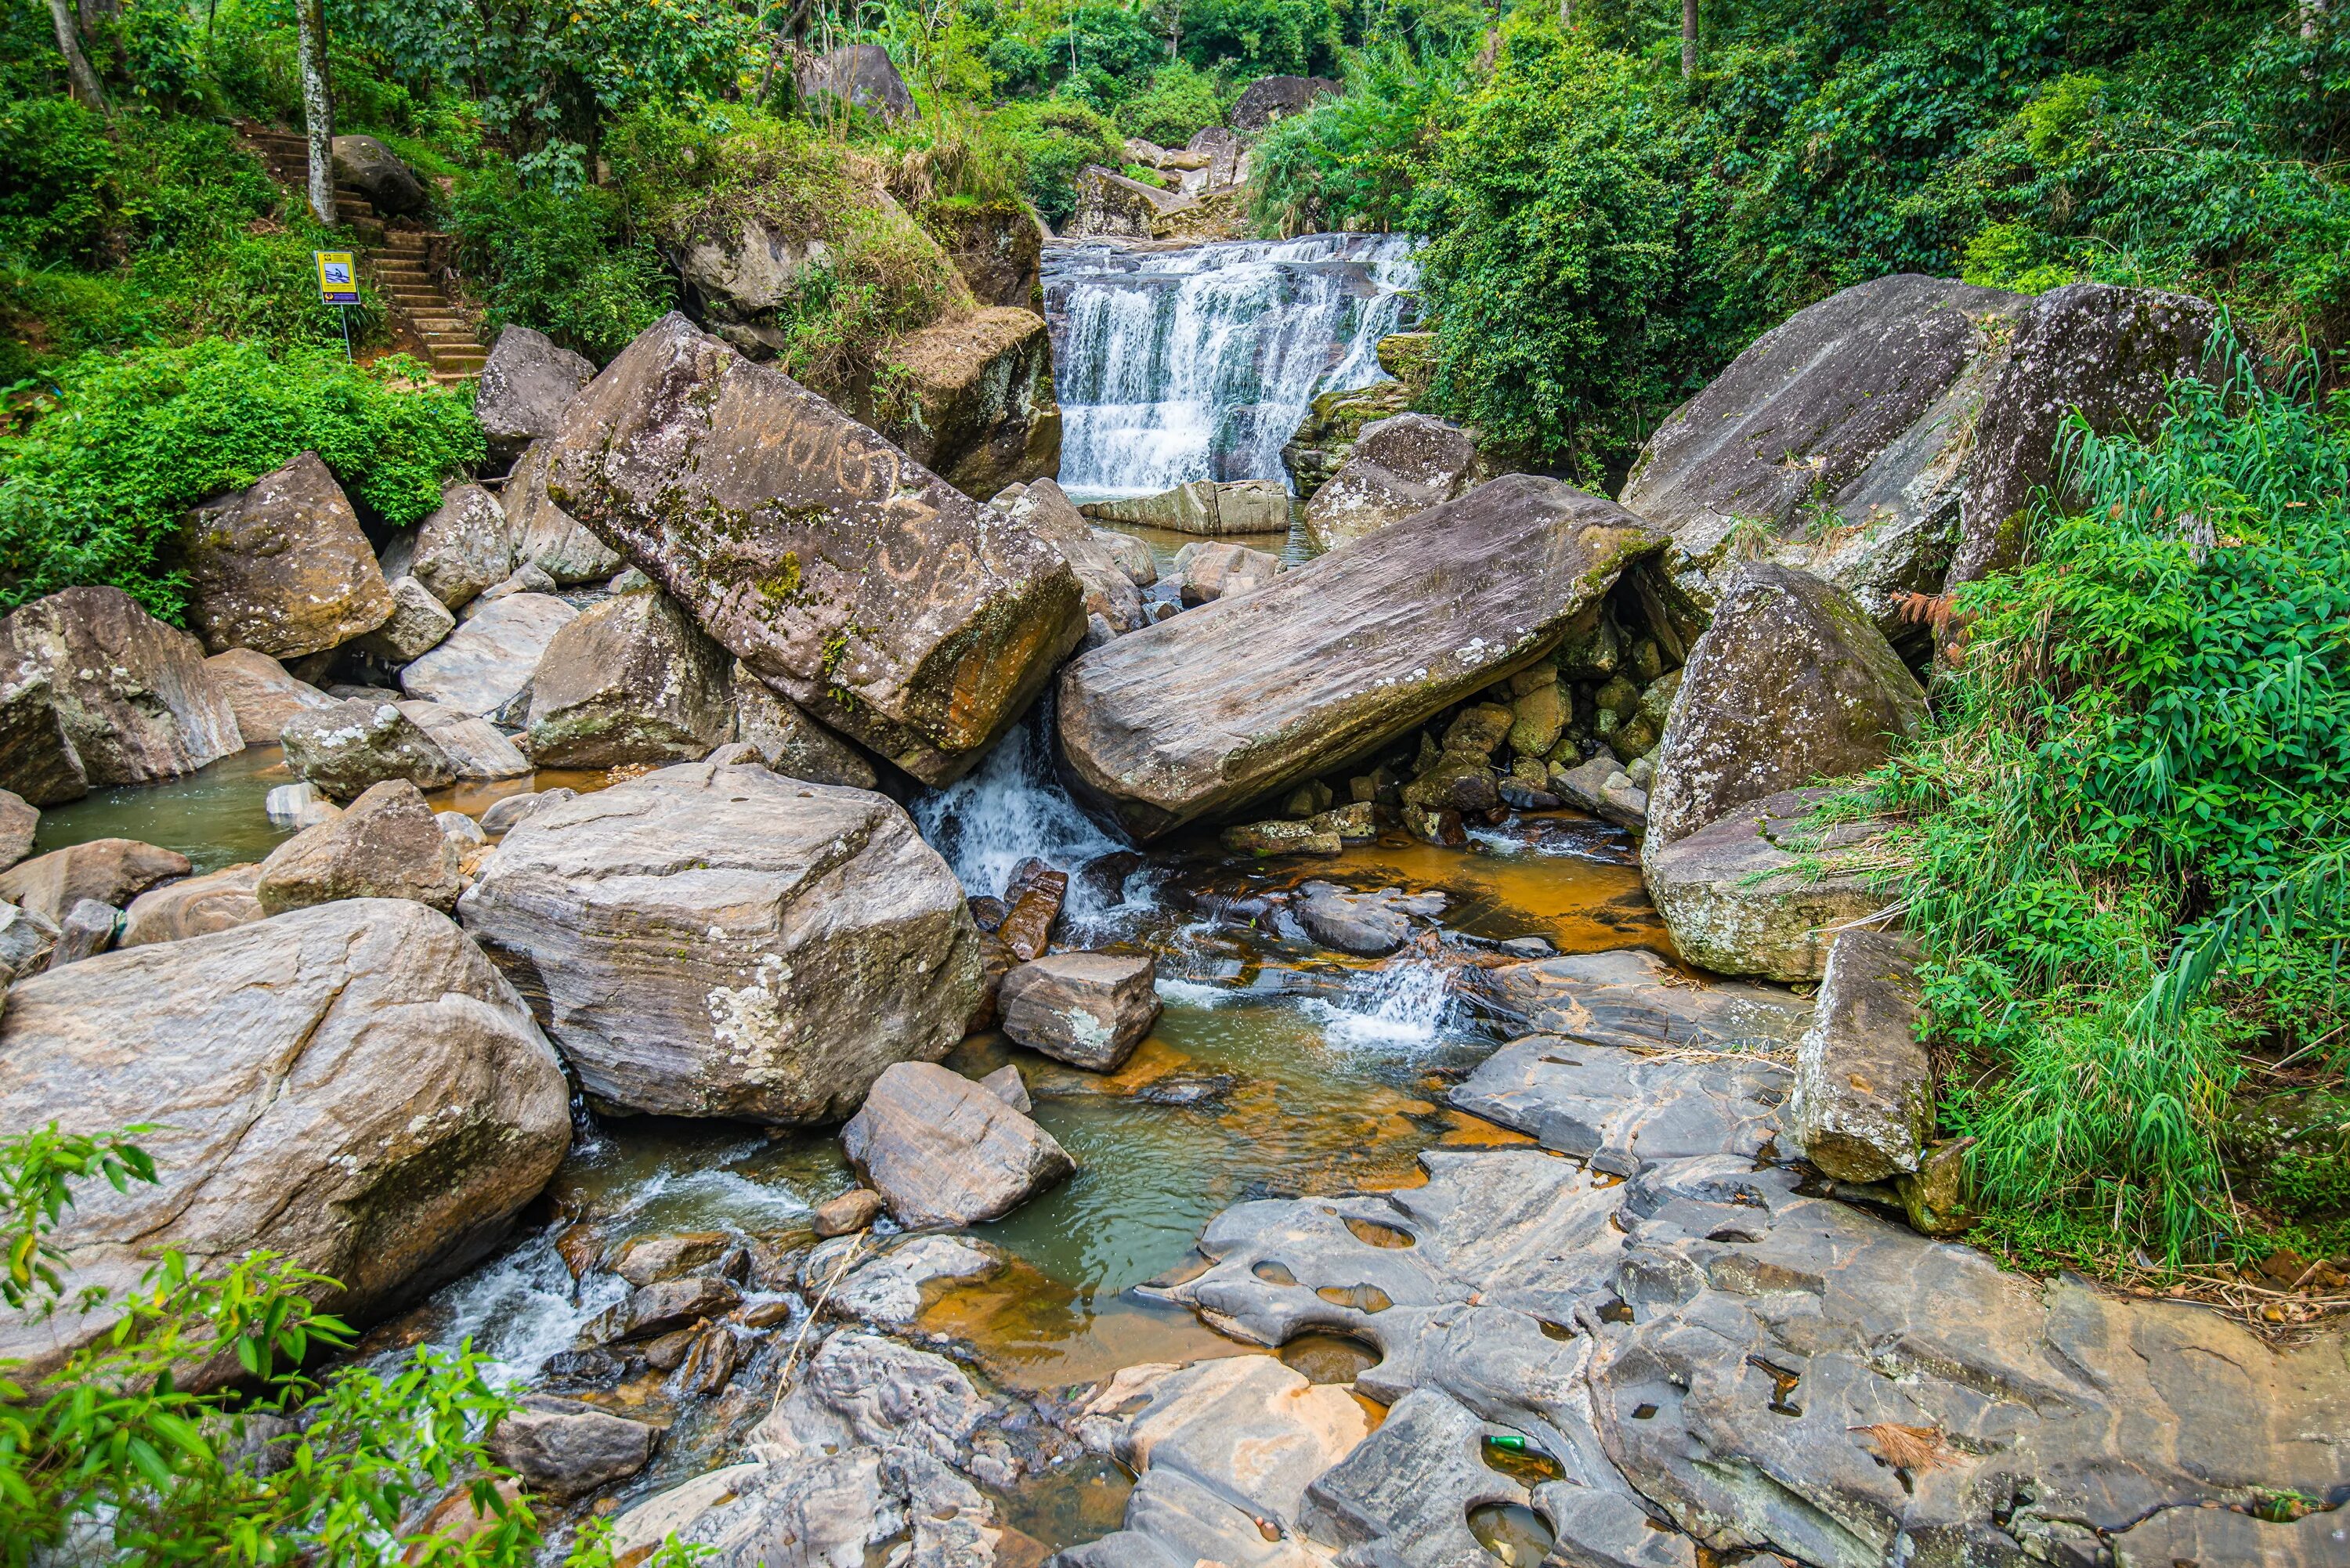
pixel 193 907
pixel 352 1086
pixel 2205 1535
pixel 666 1255
pixel 564 1448
pixel 630 679
pixel 109 870
pixel 1006 1084
pixel 944 1151
pixel 1211 572
pixel 87 930
pixel 1634 1001
pixel 346 749
pixel 1204 507
pixel 1369 925
pixel 464 546
pixel 1790 684
pixel 503 816
pixel 887 1291
pixel 1338 656
pixel 19 822
pixel 476 748
pixel 281 566
pixel 1865 1083
pixel 1132 556
pixel 544 533
pixel 527 384
pixel 1456 782
pixel 129 700
pixel 936 622
pixel 1225 1452
pixel 1398 467
pixel 418 624
pixel 1377 1502
pixel 978 392
pixel 726 941
pixel 1269 98
pixel 710 1363
pixel 1763 892
pixel 790 741
pixel 260 693
pixel 1033 899
pixel 1599 786
pixel 489 658
pixel 379 173
pixel 1089 1009
pixel 662 1307
pixel 1109 589
pixel 853 1210
pixel 861 76
pixel 387 845
pixel 1520 795
pixel 1283 837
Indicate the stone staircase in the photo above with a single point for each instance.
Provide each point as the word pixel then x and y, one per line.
pixel 397 259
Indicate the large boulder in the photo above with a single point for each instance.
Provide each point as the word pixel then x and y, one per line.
pixel 525 385
pixel 419 623
pixel 109 870
pixel 631 679
pixel 1397 467
pixel 192 906
pixel 127 700
pixel 1105 577
pixel 1269 98
pixel 1250 696
pixel 1111 206
pixel 1864 436
pixel 724 942
pixel 20 822
pixel 945 1151
pixel 355 743
pixel 875 596
pixel 977 400
pixel 387 845
pixel 486 661
pixel 1864 1103
pixel 1790 684
pixel 477 749
pixel 1762 890
pixel 1208 506
pixel 261 692
pixel 546 536
pixel 281 568
pixel 791 743
pixel 380 176
pixel 998 247
pixel 463 548
pixel 1090 1010
pixel 859 74
pixel 351 1085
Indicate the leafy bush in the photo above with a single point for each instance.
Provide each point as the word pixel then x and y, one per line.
pixel 93 491
pixel 1179 103
pixel 1251 38
pixel 2138 786
pixel 1051 143
pixel 56 164
pixel 1355 159
pixel 557 261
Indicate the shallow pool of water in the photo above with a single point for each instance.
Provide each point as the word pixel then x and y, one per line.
pixel 212 816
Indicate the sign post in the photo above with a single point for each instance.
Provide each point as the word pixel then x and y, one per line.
pixel 339 284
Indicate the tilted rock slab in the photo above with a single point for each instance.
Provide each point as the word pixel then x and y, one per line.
pixel 1249 696
pixel 353 1085
pixel 723 941
pixel 1864 1105
pixel 132 698
pixel 281 568
pixel 978 389
pixel 1790 684
pixel 1104 572
pixel 525 385
pixel 546 536
pixel 491 657
pixel 261 692
pixel 1763 891
pixel 875 595
pixel 631 679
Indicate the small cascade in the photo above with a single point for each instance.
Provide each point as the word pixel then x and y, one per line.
pixel 1007 809
pixel 1198 363
pixel 1407 1003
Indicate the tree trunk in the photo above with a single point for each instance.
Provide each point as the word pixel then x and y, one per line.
pixel 1566 15
pixel 1688 39
pixel 85 80
pixel 318 106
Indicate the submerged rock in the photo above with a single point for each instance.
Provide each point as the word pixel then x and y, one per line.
pixel 631 679
pixel 491 657
pixel 352 1086
pixel 709 940
pixel 118 698
pixel 1089 1009
pixel 877 597
pixel 387 845
pixel 110 870
pixel 1763 891
pixel 261 692
pixel 1864 1103
pixel 193 907
pixel 355 743
pixel 1369 925
pixel 944 1151
pixel 281 568
pixel 1248 697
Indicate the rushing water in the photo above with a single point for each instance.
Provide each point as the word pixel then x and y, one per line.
pixel 1198 362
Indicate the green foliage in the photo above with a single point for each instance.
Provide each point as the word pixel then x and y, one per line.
pixel 1357 158
pixel 93 491
pixel 557 257
pixel 56 164
pixel 1251 38
pixel 2149 737
pixel 1180 102
pixel 111 1448
pixel 1051 143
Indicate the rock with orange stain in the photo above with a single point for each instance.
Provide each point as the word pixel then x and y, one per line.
pixel 945 1151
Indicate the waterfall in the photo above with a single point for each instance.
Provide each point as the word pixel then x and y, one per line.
pixel 1403 1003
pixel 1198 363
pixel 1007 809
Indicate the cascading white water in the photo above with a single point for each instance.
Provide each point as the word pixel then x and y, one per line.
pixel 1405 1003
pixel 1197 363
pixel 1005 810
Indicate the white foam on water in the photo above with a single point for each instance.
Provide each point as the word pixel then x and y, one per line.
pixel 520 1310
pixel 1404 1006
pixel 1193 992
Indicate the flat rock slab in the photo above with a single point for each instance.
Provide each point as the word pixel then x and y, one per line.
pixel 490 657
pixel 869 590
pixel 1634 1001
pixel 1369 925
pixel 352 1084
pixel 945 1151
pixel 1620 1108
pixel 1761 892
pixel 708 941
pixel 1249 696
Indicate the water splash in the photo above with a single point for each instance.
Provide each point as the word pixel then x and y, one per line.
pixel 1406 1003
pixel 520 1310
pixel 1007 809
pixel 1198 363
